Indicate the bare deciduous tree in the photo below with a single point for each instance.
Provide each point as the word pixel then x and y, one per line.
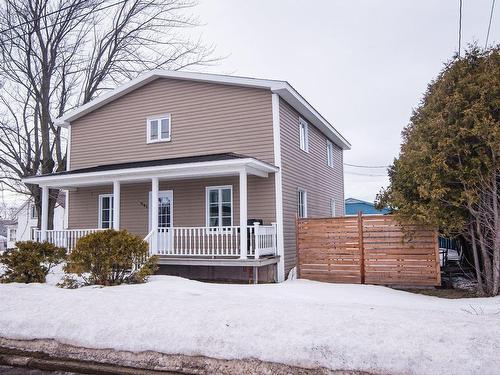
pixel 58 54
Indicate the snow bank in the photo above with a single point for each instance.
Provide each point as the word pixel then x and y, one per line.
pixel 299 322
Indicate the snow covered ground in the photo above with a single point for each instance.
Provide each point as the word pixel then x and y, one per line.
pixel 300 322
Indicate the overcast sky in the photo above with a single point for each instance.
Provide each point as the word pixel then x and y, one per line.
pixel 362 64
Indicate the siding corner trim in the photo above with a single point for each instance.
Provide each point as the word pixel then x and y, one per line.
pixel 278 186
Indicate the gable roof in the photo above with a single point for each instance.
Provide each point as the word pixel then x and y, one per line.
pixel 354 200
pixel 60 201
pixel 282 88
pixel 353 205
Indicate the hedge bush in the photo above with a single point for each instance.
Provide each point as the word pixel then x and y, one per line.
pixel 30 262
pixel 107 258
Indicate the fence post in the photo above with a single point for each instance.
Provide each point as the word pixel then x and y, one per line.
pixel 361 247
pixel 297 247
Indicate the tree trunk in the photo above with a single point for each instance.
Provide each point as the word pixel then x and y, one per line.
pixel 487 266
pixel 496 235
pixel 477 264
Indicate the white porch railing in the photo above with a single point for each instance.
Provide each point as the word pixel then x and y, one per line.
pixel 187 241
pixel 265 240
pixel 212 241
pixel 66 238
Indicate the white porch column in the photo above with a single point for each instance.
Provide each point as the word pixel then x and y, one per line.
pixel 243 214
pixel 116 205
pixel 45 213
pixel 154 211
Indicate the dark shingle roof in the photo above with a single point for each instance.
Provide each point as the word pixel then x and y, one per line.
pixel 152 163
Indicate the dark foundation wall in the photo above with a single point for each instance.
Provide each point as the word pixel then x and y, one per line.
pixel 209 273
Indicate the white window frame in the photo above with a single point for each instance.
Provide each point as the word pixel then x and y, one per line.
pixel 207 204
pixel 12 234
pixel 101 196
pixel 329 153
pixel 299 192
pixel 303 136
pixel 333 207
pixel 32 211
pixel 159 119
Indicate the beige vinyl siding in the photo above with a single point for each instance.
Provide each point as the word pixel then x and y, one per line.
pixel 188 208
pixel 308 171
pixel 206 118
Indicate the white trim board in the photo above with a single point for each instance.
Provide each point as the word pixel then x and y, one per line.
pixel 282 88
pixel 183 170
pixel 278 188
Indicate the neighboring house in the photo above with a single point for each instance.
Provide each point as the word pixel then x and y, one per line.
pixel 8 230
pixel 3 243
pixel 26 221
pixel 218 154
pixel 353 206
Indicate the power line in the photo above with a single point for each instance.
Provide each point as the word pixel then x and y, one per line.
pixel 489 24
pixel 35 19
pixel 366 166
pixel 62 21
pixel 365 174
pixel 460 28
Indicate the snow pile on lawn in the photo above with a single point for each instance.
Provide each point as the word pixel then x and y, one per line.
pixel 302 323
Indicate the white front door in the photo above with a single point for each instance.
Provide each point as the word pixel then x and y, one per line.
pixel 165 220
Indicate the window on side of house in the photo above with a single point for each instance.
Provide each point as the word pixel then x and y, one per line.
pixel 329 153
pixel 302 203
pixel 159 129
pixel 33 212
pixel 106 211
pixel 12 234
pixel 333 209
pixel 219 206
pixel 303 135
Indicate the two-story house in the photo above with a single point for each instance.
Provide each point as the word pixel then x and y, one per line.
pixel 211 170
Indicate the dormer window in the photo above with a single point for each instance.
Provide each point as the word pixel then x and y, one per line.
pixel 159 129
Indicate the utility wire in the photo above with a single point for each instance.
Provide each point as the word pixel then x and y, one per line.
pixel 460 28
pixel 365 174
pixel 62 21
pixel 35 19
pixel 366 166
pixel 489 24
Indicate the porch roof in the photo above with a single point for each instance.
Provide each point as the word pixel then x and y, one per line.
pixel 174 168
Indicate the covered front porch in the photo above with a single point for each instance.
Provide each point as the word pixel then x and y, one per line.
pixel 214 210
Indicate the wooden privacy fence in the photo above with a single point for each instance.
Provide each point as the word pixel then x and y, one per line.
pixel 370 249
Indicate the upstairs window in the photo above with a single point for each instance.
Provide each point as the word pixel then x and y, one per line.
pixel 303 135
pixel 219 206
pixel 159 129
pixel 106 211
pixel 329 153
pixel 302 203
